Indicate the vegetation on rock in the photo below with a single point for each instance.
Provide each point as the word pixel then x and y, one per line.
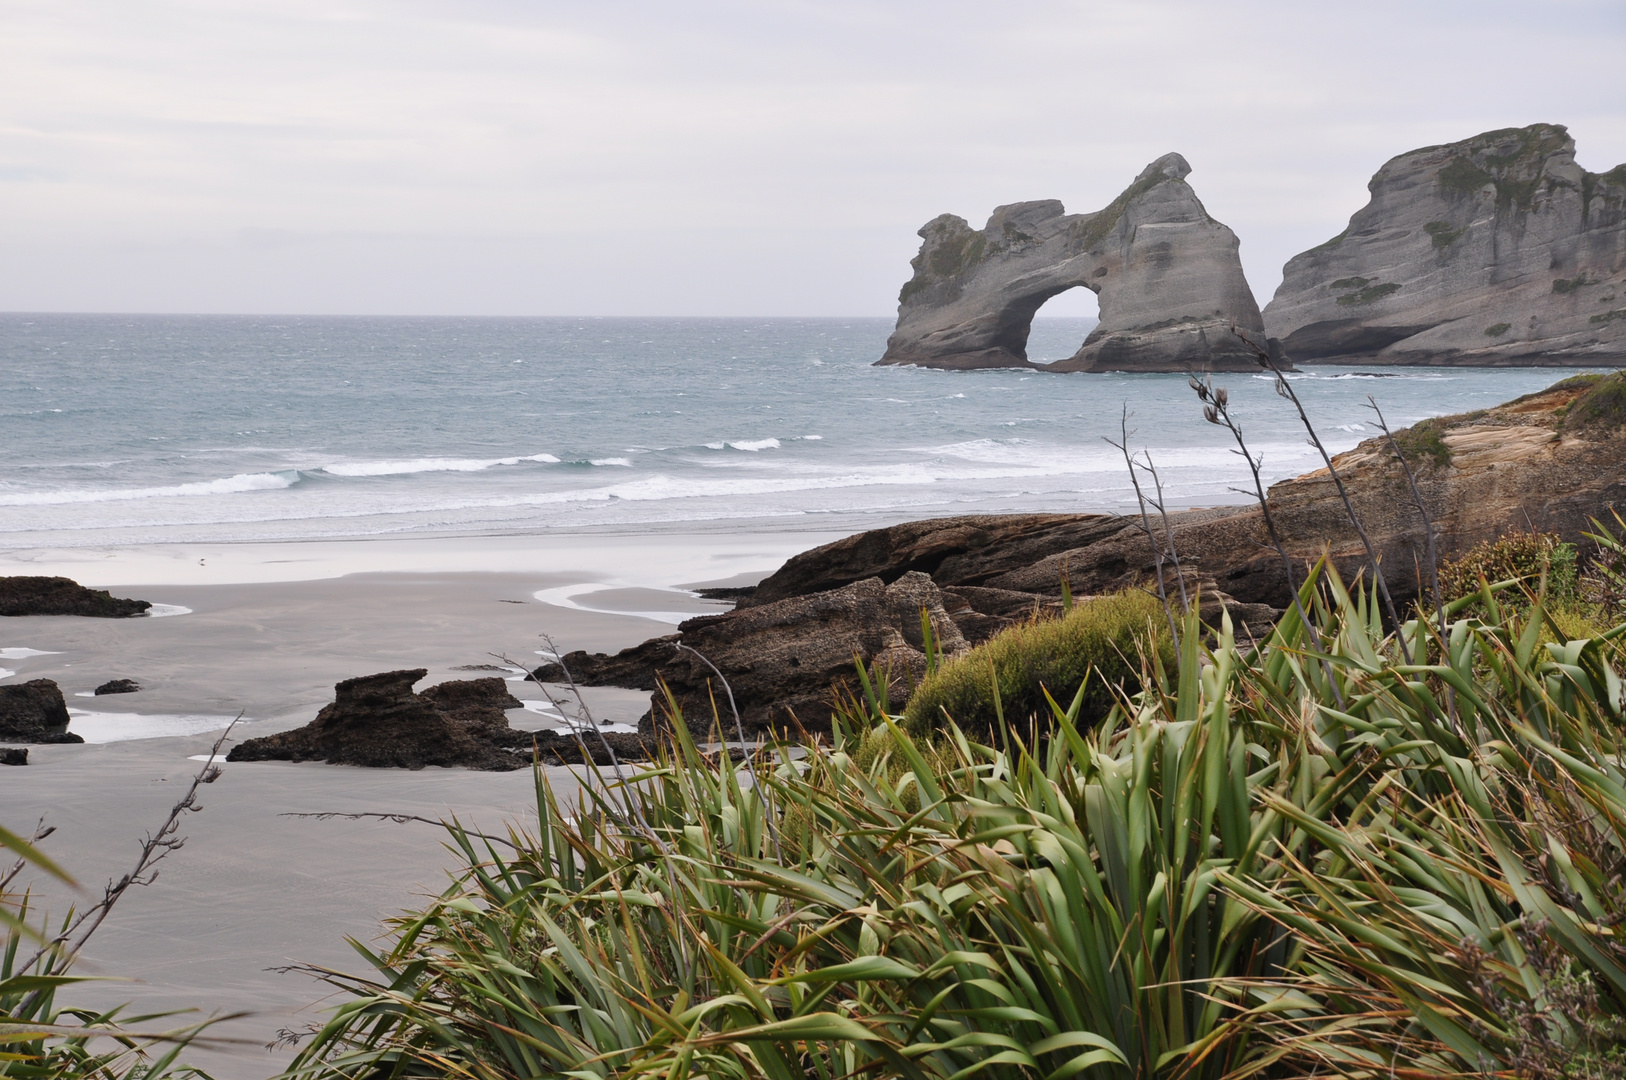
pixel 1098 644
pixel 1524 557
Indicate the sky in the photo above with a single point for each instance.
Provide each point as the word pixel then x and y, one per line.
pixel 763 158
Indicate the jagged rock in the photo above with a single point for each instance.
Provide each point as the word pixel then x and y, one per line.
pixel 378 722
pixel 13 755
pixel 35 712
pixel 1499 249
pixel 783 660
pixel 118 686
pixel 954 551
pixel 62 596
pixel 1167 275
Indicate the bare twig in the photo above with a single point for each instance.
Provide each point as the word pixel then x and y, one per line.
pixel 399 819
pixel 1168 530
pixel 1146 527
pixel 41 831
pixel 583 718
pixel 1285 390
pixel 1216 410
pixel 67 944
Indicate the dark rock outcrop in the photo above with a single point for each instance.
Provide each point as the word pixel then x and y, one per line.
pixel 377 721
pixel 13 755
pixel 118 686
pixel 35 712
pixel 1552 461
pixel 63 596
pixel 1496 250
pixel 1167 275
pixel 783 660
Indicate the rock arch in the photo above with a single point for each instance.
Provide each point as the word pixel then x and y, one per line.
pixel 1167 277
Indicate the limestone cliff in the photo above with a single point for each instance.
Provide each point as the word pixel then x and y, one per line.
pixel 1496 250
pixel 1167 275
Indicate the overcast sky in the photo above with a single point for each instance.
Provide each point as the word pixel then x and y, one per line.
pixel 707 158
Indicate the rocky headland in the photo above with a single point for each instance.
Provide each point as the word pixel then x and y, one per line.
pixel 1496 250
pixel 63 596
pixel 1167 276
pixel 1550 461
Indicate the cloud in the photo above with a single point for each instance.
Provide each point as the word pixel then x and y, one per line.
pixel 709 157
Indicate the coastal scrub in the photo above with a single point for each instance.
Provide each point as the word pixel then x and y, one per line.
pixel 1101 640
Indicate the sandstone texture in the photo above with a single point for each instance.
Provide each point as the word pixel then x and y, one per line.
pixel 35 712
pixel 1496 250
pixel 1167 276
pixel 63 596
pixel 1551 461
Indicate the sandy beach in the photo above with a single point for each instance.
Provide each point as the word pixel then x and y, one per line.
pixel 268 630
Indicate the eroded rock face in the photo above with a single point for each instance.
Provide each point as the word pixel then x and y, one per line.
pixel 63 596
pixel 1167 276
pixel 35 712
pixel 1499 249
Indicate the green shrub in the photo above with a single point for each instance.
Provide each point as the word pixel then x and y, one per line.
pixel 1601 408
pixel 1424 444
pixel 1517 555
pixel 1107 634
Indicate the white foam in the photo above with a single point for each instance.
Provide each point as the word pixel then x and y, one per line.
pixel 17 653
pixel 812 438
pixel 231 485
pixel 109 727
pixel 6 673
pixel 624 462
pixel 754 445
pixel 163 611
pixel 423 465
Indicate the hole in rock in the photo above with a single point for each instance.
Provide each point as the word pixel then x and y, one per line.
pixel 1062 323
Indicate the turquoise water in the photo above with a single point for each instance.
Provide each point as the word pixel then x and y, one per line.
pixel 140 429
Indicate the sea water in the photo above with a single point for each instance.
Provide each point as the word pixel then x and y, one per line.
pixel 119 429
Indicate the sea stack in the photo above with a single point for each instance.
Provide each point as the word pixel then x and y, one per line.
pixel 1497 250
pixel 1167 276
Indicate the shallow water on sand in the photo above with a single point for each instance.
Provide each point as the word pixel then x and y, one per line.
pixel 139 429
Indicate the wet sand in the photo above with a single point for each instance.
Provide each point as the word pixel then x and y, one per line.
pixel 253 890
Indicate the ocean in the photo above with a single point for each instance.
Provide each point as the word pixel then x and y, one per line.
pixel 140 429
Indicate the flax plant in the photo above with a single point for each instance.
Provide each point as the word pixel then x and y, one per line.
pixel 1290 860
